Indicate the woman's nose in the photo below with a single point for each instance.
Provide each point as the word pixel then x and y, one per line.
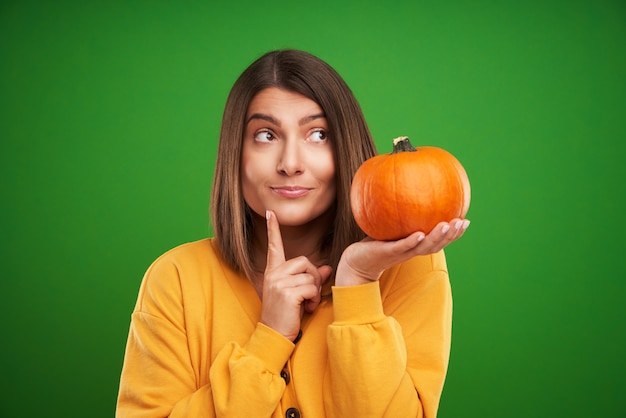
pixel 290 162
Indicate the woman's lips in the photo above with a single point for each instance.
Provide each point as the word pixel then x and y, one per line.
pixel 291 192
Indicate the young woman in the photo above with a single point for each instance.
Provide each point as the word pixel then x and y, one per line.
pixel 290 310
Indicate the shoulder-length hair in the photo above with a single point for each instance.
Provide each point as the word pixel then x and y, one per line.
pixel 352 143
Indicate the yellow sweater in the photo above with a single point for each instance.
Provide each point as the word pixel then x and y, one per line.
pixel 196 347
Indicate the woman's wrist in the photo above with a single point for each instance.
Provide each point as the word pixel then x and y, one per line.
pixel 348 277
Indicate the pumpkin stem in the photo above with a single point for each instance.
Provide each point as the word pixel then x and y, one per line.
pixel 402 144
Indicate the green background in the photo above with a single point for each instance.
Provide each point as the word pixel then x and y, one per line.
pixel 109 114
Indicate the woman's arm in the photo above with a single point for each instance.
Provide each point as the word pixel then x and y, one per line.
pixel 389 353
pixel 388 357
pixel 163 375
pixel 246 380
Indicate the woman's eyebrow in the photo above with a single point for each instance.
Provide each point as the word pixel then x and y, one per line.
pixel 264 117
pixel 311 118
pixel 273 120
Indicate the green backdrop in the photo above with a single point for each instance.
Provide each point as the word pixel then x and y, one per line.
pixel 109 114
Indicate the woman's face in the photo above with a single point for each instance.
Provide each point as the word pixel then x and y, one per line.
pixel 287 160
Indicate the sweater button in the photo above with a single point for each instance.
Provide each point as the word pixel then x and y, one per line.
pixel 285 375
pixel 292 413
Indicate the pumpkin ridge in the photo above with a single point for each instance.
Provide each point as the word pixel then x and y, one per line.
pixel 457 178
pixel 455 182
pixel 366 197
pixel 398 213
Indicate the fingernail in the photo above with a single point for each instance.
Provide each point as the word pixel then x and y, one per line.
pixel 268 215
pixel 445 229
pixel 458 225
pixel 466 223
pixel 420 237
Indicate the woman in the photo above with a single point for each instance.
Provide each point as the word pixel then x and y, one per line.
pixel 289 310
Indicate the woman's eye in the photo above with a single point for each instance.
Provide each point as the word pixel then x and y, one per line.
pixel 264 136
pixel 319 136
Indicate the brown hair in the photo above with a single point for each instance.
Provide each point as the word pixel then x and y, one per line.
pixel 303 73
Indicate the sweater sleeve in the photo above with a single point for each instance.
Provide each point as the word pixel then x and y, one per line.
pixel 388 354
pixel 246 380
pixel 160 376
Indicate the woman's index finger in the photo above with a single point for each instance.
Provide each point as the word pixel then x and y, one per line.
pixel 275 249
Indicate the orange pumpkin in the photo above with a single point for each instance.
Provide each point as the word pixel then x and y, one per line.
pixel 409 190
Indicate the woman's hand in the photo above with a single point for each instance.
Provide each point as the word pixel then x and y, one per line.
pixel 365 261
pixel 290 287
